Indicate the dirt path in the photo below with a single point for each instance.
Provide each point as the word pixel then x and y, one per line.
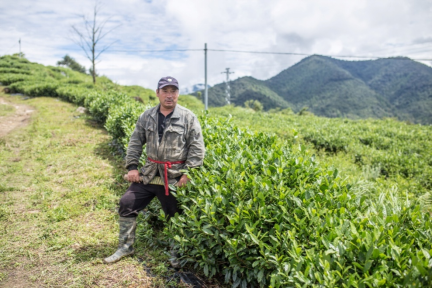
pixel 19 118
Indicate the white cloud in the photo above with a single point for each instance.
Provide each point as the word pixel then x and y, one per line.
pixel 367 27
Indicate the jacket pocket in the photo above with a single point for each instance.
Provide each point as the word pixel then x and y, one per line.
pixel 148 168
pixel 151 136
pixel 175 138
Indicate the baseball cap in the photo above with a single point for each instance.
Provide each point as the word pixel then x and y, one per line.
pixel 166 81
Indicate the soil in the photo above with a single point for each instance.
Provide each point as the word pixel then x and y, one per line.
pixel 19 118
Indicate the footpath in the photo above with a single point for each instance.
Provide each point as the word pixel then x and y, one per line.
pixel 58 192
pixel 19 116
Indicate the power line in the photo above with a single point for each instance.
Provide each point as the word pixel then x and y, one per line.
pixel 151 51
pixel 269 53
pixel 253 52
pixel 305 54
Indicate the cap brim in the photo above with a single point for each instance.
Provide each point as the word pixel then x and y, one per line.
pixel 169 84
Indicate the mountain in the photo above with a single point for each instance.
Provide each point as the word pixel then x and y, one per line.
pixel 244 89
pixel 392 87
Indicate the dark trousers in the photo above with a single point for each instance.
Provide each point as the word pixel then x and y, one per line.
pixel 138 196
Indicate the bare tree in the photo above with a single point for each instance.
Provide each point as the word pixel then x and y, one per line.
pixel 89 35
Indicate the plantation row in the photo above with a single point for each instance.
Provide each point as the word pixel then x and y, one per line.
pixel 262 212
pixel 392 149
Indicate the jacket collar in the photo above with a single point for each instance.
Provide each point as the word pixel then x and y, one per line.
pixel 154 113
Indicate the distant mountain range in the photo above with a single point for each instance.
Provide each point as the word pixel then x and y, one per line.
pixel 391 87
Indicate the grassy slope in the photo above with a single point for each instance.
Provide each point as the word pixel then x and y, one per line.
pixel 6 110
pixel 59 188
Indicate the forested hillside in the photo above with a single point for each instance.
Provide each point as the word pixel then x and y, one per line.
pixel 246 88
pixel 393 87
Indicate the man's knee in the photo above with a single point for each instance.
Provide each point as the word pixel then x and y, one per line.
pixel 126 204
pixel 127 200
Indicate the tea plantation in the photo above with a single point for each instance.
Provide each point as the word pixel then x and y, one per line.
pixel 280 203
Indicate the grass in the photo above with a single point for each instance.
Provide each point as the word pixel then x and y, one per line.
pixel 6 109
pixel 59 188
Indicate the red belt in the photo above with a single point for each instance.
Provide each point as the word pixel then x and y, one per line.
pixel 167 165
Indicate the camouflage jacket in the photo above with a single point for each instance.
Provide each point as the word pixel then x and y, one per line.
pixel 182 140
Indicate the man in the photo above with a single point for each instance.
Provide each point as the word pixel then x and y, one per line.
pixel 174 142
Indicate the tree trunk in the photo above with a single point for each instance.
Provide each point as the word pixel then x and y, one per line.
pixel 93 47
pixel 94 72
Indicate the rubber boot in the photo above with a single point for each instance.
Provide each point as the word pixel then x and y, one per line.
pixel 126 239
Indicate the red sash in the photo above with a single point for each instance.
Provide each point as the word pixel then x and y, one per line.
pixel 167 165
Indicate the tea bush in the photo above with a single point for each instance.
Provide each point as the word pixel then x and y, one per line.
pixel 36 88
pixel 398 150
pixel 7 79
pixel 14 71
pixel 262 215
pixel 99 103
pixel 122 119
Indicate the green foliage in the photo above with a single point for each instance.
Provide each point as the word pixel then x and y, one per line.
pixel 303 111
pixel 254 105
pixel 19 55
pixel 75 93
pixel 398 151
pixel 100 103
pixel 147 95
pixel 7 79
pixel 122 119
pixel 14 71
pixel 191 103
pixel 72 64
pixel 35 88
pixel 262 211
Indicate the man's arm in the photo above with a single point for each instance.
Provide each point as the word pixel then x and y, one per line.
pixel 196 149
pixel 195 143
pixel 134 150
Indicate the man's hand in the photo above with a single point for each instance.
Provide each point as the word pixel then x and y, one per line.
pixel 183 180
pixel 133 176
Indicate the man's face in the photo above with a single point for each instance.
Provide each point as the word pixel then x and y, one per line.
pixel 168 96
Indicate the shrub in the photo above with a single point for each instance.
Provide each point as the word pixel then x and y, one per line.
pixel 7 79
pixel 74 93
pixel 14 71
pixel 99 103
pixel 42 88
pixel 122 119
pixel 262 215
pixel 254 104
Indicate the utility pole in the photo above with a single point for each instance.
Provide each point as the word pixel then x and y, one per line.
pixel 205 78
pixel 227 87
pixel 19 47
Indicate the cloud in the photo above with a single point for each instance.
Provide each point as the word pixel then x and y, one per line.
pixel 422 40
pixel 336 27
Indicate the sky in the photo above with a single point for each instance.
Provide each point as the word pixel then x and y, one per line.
pixel 368 28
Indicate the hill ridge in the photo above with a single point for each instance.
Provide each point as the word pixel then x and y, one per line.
pixel 387 87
